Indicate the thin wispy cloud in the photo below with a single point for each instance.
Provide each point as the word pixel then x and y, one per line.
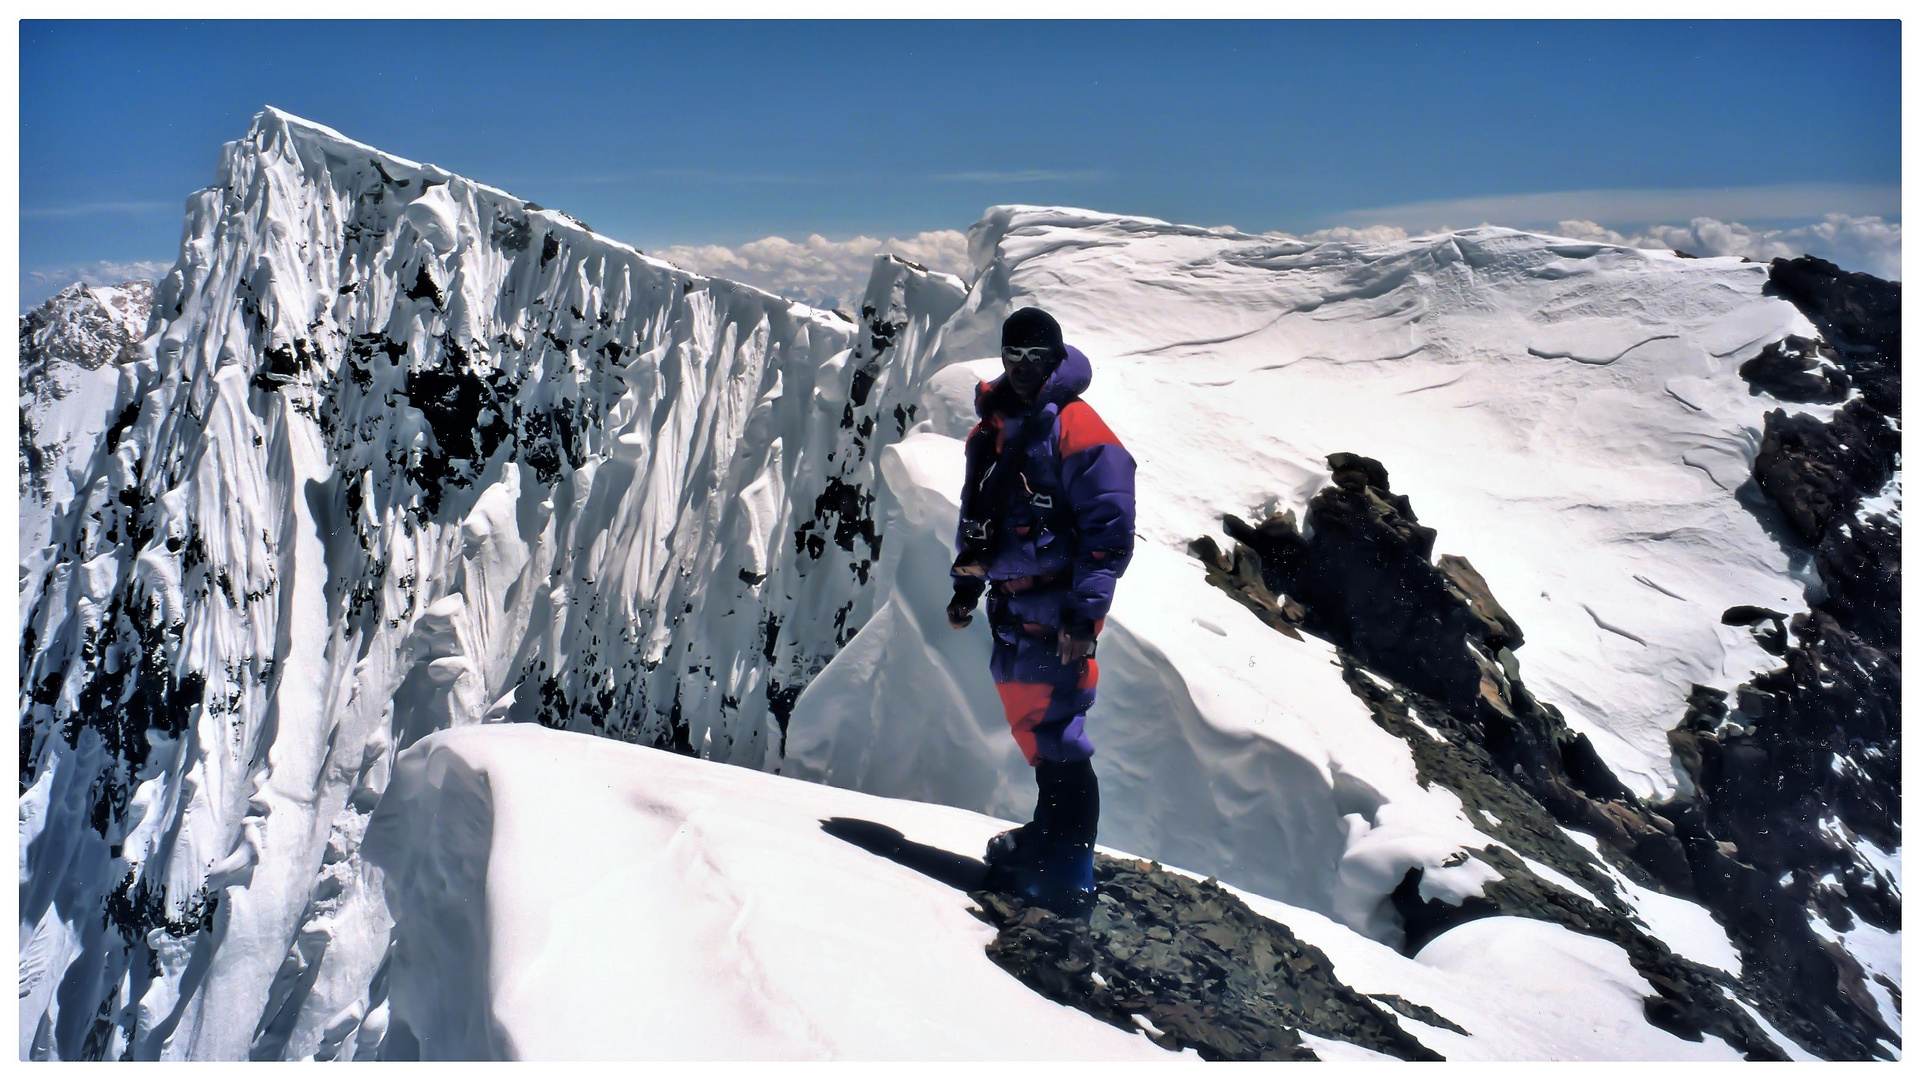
pixel 1021 176
pixel 77 210
pixel 1634 207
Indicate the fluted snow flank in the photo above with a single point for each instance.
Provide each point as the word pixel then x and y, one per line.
pixel 406 453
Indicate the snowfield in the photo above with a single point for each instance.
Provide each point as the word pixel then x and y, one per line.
pixel 1598 495
pixel 411 468
pixel 1567 414
pixel 703 913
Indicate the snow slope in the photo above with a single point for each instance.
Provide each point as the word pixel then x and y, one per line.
pixel 413 455
pixel 1567 415
pixel 71 349
pixel 558 897
pixel 612 901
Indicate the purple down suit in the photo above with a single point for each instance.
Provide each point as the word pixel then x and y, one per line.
pixel 1054 548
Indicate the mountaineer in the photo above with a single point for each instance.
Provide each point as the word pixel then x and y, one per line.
pixel 1046 529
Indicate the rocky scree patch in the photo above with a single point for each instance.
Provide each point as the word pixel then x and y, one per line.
pixel 1192 966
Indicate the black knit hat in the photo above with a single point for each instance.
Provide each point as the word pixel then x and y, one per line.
pixel 1029 327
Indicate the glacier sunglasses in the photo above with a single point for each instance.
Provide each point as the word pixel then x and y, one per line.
pixel 1032 354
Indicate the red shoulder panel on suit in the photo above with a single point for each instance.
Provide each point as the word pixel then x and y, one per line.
pixel 1081 427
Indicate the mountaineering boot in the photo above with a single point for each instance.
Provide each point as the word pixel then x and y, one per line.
pixel 1062 881
pixel 1015 845
pixel 1011 855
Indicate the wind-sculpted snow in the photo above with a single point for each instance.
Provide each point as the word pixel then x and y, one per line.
pixel 632 904
pixel 406 453
pixel 403 453
pixel 1537 395
pixel 561 899
pixel 1570 418
pixel 1231 366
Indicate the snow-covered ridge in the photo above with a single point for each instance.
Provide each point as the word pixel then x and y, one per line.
pixel 1568 415
pixel 732 924
pixel 70 347
pixel 1535 395
pixel 410 454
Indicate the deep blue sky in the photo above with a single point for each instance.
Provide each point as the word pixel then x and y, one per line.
pixel 722 132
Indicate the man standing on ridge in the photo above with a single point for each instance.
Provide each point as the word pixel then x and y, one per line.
pixel 1046 529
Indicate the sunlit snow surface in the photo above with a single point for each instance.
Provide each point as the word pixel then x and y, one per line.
pixel 1567 415
pixel 69 392
pixel 562 897
pixel 614 901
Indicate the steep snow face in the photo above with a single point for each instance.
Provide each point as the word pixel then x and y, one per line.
pixel 1568 415
pixel 408 453
pixel 71 351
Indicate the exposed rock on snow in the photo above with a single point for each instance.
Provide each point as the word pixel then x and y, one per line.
pixel 1782 787
pixel 1798 369
pixel 1367 585
pixel 1201 968
pixel 1857 313
pixel 404 454
pixel 1818 471
pixel 1419 645
pixel 1361 569
pixel 1802 775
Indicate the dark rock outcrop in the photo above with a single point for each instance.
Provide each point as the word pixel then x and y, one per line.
pixel 1805 762
pixel 1360 576
pixel 1364 582
pixel 1856 313
pixel 1798 369
pixel 1689 999
pixel 1818 472
pixel 1197 964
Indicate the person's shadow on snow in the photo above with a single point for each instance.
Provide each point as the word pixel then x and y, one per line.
pixel 956 871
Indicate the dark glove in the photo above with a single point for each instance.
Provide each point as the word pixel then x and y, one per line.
pixel 1076 638
pixel 960 609
pixel 1074 648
